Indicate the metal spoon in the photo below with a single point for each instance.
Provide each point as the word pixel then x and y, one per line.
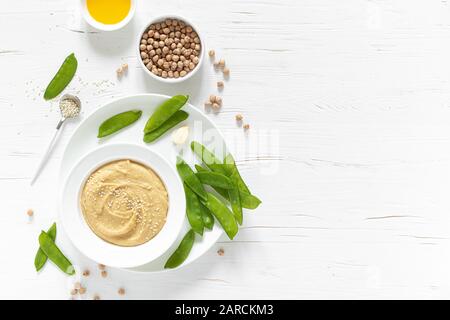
pixel 65 114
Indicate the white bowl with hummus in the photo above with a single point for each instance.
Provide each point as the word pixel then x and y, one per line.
pixel 123 205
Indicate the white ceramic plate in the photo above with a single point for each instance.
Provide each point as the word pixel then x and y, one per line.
pixel 102 251
pixel 84 140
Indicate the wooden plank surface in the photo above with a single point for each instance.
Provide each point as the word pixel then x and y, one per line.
pixel 349 146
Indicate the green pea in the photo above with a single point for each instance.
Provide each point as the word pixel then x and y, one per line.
pixel 182 252
pixel 178 117
pixel 49 247
pixel 62 78
pixel 236 206
pixel 215 179
pixel 208 219
pixel 166 110
pixel 188 176
pixel 41 258
pixel 193 211
pixel 207 157
pixel 221 212
pixel 117 122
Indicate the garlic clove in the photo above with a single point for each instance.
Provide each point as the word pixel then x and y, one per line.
pixel 180 135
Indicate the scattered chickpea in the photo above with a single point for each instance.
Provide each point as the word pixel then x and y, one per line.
pixel 226 72
pixel 124 68
pixel 212 98
pixel 121 291
pixel 222 63
pixel 216 106
pixel 96 297
pixel 74 292
pixel 208 104
pixel 30 212
pixel 246 126
pixel 239 117
pixel 220 85
pixel 216 65
pixel 101 266
pixel 221 252
pixel 219 100
pixel 82 290
pixel 212 53
pixel 104 274
pixel 77 285
pixel 86 273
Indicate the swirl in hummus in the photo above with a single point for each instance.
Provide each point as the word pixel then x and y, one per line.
pixel 124 203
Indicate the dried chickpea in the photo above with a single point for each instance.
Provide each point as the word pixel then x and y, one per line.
pixel 30 212
pixel 82 290
pixel 121 291
pixel 239 117
pixel 173 46
pixel 246 126
pixel 226 72
pixel 220 84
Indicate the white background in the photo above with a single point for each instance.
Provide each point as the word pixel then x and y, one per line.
pixel 356 195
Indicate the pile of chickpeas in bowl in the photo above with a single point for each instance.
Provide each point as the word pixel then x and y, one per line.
pixel 170 49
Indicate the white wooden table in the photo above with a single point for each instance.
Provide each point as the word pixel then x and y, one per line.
pixel 349 146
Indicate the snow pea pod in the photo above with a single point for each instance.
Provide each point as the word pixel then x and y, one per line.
pixel 54 254
pixel 62 78
pixel 236 206
pixel 193 211
pixel 231 168
pixel 177 117
pixel 221 212
pixel 117 122
pixel 166 110
pixel 41 258
pixel 188 176
pixel 215 179
pixel 208 219
pixel 207 157
pixel 248 201
pixel 182 252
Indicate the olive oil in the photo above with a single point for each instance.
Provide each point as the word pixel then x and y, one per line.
pixel 108 11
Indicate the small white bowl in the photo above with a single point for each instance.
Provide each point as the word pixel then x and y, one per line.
pixel 107 27
pixel 100 250
pixel 170 80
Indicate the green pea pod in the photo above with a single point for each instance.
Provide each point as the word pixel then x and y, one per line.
pixel 41 258
pixel 182 252
pixel 178 117
pixel 208 219
pixel 49 247
pixel 215 179
pixel 188 176
pixel 248 201
pixel 207 157
pixel 222 192
pixel 166 110
pixel 193 211
pixel 62 78
pixel 223 215
pixel 236 206
pixel 232 169
pixel 118 122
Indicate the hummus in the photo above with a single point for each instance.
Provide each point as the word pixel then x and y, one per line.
pixel 124 203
